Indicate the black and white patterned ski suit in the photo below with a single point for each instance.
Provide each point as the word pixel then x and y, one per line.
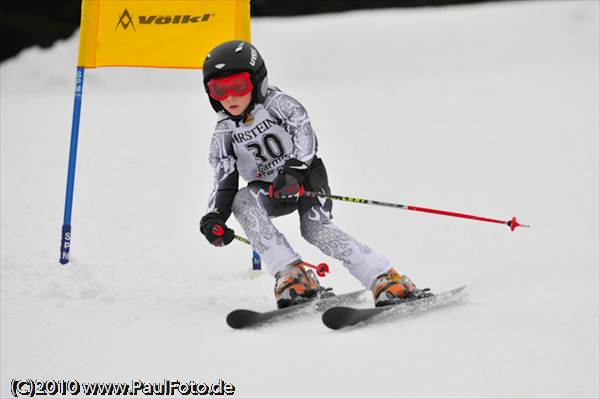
pixel 255 149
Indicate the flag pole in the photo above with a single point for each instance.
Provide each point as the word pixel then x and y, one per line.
pixel 65 244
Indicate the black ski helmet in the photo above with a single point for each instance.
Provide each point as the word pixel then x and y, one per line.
pixel 234 57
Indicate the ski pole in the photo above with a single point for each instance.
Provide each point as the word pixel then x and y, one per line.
pixel 322 268
pixel 512 223
pixel 256 262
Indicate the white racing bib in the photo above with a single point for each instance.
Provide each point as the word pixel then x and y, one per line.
pixel 261 146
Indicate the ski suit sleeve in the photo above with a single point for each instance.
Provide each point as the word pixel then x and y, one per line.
pixel 297 122
pixel 226 177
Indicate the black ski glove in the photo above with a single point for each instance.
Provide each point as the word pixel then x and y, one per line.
pixel 287 187
pixel 213 226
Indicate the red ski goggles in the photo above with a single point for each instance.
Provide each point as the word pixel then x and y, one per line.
pixel 236 85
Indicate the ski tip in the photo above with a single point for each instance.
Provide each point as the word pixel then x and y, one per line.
pixel 337 317
pixel 459 289
pixel 240 318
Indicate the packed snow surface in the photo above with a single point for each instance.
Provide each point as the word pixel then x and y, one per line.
pixel 486 109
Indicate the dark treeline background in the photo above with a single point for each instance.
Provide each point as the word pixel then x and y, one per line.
pixel 26 23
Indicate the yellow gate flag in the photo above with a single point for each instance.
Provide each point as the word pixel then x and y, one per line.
pixel 158 33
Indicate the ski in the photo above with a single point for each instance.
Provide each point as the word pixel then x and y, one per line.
pixel 340 316
pixel 243 318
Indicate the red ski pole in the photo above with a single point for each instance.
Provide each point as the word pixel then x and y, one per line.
pixel 322 268
pixel 512 223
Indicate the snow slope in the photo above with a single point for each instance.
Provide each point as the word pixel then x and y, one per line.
pixel 488 109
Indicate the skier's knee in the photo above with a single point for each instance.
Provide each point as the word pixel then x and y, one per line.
pixel 304 230
pixel 310 228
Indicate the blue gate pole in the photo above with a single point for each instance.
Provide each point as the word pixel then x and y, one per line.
pixel 256 263
pixel 65 243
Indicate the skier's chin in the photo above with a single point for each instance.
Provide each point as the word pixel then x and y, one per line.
pixel 235 110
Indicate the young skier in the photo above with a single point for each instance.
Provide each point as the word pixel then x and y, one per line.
pixel 265 136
